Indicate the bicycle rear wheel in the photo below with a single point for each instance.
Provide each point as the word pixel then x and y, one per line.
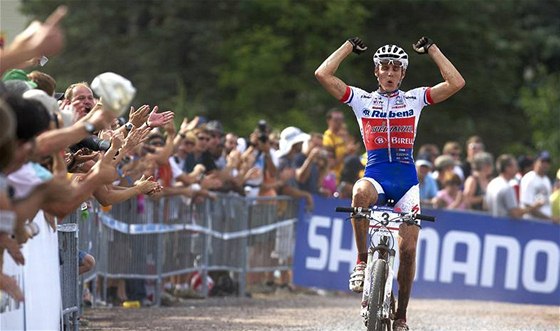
pixel 375 301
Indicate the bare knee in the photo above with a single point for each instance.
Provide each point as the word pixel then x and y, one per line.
pixel 363 194
pixel 88 263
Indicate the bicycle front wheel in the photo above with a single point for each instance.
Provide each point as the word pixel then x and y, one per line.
pixel 375 301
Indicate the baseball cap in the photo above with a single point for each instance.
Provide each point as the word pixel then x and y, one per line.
pixel 18 74
pixel 422 162
pixel 544 156
pixel 215 126
pixel 289 137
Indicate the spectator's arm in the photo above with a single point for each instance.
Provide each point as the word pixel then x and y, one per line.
pixel 303 172
pixel 109 195
pixel 297 193
pixel 38 39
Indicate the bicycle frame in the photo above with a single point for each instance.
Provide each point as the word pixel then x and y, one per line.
pixel 382 230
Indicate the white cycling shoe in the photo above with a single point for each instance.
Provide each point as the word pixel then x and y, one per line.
pixel 357 276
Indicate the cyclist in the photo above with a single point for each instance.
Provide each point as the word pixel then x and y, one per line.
pixel 388 118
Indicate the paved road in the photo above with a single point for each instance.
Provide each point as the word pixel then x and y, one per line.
pixel 284 311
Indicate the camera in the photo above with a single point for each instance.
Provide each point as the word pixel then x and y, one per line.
pixel 93 143
pixel 263 134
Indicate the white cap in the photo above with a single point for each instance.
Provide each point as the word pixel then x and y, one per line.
pixel 289 137
pixel 115 91
pixel 423 162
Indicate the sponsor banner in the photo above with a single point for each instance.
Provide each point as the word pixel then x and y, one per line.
pixel 461 256
pixel 40 280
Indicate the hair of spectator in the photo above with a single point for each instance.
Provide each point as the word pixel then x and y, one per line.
pixel 7 134
pixel 452 178
pixel 44 81
pixel 331 112
pixel 201 129
pixel 451 146
pixel 68 94
pixel 474 140
pixel 31 116
pixel 481 159
pixel 16 87
pixel 443 161
pixel 503 162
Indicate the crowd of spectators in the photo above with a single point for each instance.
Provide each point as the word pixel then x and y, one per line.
pixel 61 149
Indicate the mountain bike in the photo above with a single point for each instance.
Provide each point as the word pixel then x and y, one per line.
pixel 378 302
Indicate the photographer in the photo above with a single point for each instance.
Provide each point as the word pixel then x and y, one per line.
pixel 259 163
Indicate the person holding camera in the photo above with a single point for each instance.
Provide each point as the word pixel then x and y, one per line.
pixel 388 119
pixel 260 162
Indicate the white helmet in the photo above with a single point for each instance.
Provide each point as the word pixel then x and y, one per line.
pixel 391 53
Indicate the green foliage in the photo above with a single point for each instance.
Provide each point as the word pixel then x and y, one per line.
pixel 541 104
pixel 243 60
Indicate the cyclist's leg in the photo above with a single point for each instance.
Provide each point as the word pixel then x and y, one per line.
pixel 365 192
pixel 408 239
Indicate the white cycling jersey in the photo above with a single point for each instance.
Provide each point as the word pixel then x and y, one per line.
pixel 388 124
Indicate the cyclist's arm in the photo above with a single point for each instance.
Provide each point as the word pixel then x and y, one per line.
pixel 325 73
pixel 453 81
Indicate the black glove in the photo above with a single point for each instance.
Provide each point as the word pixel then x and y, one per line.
pixel 422 45
pixel 358 45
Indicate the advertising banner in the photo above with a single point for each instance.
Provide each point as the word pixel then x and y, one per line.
pixel 462 255
pixel 39 279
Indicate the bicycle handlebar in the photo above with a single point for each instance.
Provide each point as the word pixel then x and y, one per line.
pixel 369 210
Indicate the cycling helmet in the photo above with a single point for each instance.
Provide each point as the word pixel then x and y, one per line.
pixel 391 52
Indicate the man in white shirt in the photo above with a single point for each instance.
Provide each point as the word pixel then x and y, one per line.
pixel 500 196
pixel 536 187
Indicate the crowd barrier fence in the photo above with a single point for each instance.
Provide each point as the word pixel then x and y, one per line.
pixel 155 240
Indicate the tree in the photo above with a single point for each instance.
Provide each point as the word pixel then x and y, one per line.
pixel 243 60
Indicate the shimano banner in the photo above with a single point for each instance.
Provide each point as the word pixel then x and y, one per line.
pixel 460 256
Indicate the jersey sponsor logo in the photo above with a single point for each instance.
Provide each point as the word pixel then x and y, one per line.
pixel 392 114
pixel 380 140
pixel 365 112
pixel 398 134
pixel 377 101
pixel 399 101
pixel 410 97
pixel 394 128
pixel 401 141
pixel 365 96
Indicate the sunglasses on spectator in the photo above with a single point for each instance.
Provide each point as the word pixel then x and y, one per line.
pixel 157 143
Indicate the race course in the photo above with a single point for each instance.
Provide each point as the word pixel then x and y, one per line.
pixel 327 312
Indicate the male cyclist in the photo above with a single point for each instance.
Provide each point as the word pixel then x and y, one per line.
pixel 388 118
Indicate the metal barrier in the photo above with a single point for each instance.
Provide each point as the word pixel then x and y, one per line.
pixel 68 247
pixel 153 240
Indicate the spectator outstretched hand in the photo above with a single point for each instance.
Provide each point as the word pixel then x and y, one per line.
pixel 159 119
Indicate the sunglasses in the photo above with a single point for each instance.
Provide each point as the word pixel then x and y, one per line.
pixel 394 63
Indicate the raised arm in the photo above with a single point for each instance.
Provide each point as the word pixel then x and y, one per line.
pixel 325 73
pixel 453 81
